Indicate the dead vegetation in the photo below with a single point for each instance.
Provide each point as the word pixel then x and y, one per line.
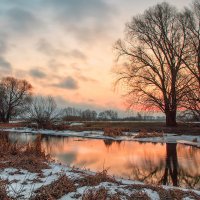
pixel 30 157
pixel 164 194
pixel 93 194
pixel 101 193
pixel 114 132
pixel 96 179
pixel 62 186
pixel 3 193
pixel 145 134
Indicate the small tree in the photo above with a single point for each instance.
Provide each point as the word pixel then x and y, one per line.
pixel 15 95
pixel 43 111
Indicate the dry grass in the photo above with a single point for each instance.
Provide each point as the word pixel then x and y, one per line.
pixel 164 194
pixel 13 125
pixel 145 134
pixel 114 132
pixel 92 194
pixel 149 126
pixel 101 194
pixel 3 193
pixel 139 196
pixel 56 189
pixel 30 157
pixel 96 179
pixel 50 126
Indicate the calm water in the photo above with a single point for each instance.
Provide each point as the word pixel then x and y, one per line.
pixel 169 164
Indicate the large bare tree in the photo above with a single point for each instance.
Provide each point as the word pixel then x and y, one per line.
pixel 192 98
pixel 15 94
pixel 154 48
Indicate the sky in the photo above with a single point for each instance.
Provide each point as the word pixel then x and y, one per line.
pixel 64 48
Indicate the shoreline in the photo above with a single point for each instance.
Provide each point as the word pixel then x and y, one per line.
pixel 167 138
pixel 134 126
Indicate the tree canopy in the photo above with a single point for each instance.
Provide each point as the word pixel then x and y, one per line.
pixel 156 49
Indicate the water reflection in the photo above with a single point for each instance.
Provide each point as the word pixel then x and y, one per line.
pixel 154 163
pixel 171 165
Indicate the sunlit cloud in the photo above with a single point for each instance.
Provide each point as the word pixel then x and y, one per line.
pixel 70 43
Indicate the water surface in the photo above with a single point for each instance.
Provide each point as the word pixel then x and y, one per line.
pixel 155 163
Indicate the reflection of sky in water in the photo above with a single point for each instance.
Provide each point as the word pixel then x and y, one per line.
pixel 136 160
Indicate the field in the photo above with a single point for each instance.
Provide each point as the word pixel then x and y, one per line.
pixel 181 128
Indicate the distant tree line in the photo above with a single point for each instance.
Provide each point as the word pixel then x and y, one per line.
pixel 17 101
pixel 78 114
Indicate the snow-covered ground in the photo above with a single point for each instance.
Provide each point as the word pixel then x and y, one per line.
pixel 167 138
pixel 23 184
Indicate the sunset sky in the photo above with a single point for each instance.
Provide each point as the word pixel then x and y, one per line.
pixel 65 47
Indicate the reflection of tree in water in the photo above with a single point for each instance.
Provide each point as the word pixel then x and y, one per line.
pixel 171 166
pixel 108 143
pixel 167 171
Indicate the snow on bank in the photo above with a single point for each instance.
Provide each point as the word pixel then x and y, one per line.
pixel 76 124
pixel 22 184
pixel 167 138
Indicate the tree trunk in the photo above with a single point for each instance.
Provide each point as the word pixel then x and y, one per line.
pixel 7 118
pixel 171 118
pixel 3 119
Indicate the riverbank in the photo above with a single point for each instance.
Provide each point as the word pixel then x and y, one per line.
pixel 193 140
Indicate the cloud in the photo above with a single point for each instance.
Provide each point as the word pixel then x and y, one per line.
pixel 68 83
pixel 36 73
pixel 21 21
pixel 81 9
pixel 3 46
pixel 4 64
pixel 84 19
pixel 48 49
pixel 78 54
pixel 86 79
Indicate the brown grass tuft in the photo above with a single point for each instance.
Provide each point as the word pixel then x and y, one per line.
pixel 3 193
pixel 139 196
pixel 145 134
pixel 96 179
pixel 56 189
pixel 101 193
pixel 92 194
pixel 113 132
